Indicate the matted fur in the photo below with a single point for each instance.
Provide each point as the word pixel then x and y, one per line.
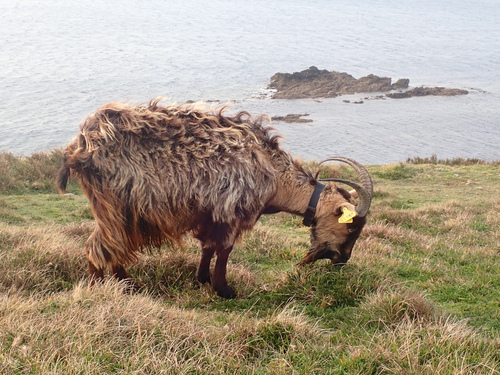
pixel 154 173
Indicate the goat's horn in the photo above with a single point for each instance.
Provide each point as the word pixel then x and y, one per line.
pixel 364 190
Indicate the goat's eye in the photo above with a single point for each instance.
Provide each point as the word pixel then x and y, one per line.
pixel 351 230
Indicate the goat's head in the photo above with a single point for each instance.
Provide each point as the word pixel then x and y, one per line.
pixel 334 230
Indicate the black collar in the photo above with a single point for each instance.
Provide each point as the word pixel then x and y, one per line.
pixel 311 209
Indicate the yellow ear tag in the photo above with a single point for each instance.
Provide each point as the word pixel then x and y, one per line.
pixel 347 216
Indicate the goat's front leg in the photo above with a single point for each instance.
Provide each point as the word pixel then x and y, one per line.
pixel 219 282
pixel 203 272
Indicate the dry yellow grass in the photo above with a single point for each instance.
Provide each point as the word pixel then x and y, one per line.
pixel 419 296
pixel 76 331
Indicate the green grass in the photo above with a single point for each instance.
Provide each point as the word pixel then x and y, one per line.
pixel 39 208
pixel 421 294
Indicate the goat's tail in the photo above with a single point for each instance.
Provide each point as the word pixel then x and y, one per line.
pixel 62 177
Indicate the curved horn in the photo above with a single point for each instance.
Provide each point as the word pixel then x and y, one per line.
pixel 364 190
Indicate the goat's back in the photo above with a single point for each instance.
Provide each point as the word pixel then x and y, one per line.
pixel 169 163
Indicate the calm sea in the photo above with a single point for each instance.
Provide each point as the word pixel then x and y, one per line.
pixel 60 60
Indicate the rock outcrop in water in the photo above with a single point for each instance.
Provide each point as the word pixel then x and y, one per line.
pixel 292 118
pixel 424 91
pixel 315 83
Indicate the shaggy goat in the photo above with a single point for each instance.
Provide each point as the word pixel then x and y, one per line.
pixel 153 174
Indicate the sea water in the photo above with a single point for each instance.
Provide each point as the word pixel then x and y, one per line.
pixel 60 60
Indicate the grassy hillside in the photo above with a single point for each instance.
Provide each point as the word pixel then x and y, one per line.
pixel 421 294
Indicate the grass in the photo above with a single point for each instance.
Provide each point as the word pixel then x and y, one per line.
pixel 421 294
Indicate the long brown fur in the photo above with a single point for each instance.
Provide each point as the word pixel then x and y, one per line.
pixel 153 173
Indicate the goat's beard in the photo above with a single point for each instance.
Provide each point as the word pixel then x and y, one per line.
pixel 322 251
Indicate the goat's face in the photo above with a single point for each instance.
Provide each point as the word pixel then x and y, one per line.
pixel 329 238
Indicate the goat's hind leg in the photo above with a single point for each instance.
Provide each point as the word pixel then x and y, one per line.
pixel 120 274
pixel 96 250
pixel 95 274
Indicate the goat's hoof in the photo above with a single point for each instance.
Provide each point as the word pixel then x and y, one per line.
pixel 204 279
pixel 226 292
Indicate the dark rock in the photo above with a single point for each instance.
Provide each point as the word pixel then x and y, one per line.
pixel 290 118
pixel 398 95
pixel 315 83
pixel 426 91
pixel 400 84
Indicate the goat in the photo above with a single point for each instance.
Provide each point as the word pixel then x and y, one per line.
pixel 155 173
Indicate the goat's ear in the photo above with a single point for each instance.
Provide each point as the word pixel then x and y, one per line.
pixel 354 193
pixel 339 209
pixel 348 213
